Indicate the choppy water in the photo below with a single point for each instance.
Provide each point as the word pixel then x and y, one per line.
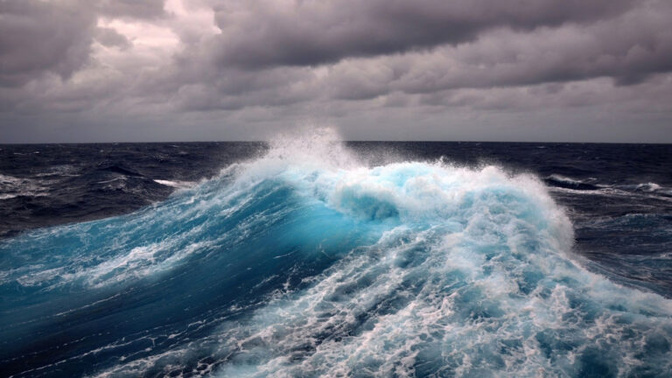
pixel 312 257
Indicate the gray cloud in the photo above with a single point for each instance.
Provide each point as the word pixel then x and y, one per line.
pixel 237 89
pixel 367 65
pixel 628 49
pixel 267 33
pixel 38 37
pixel 111 38
pixel 145 9
pixel 375 48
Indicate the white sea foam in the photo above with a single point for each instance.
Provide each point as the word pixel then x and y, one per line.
pixel 649 187
pixel 12 187
pixel 177 183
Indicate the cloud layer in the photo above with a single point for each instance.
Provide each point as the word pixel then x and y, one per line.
pixel 270 33
pixel 596 70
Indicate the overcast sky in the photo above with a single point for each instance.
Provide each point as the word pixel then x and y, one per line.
pixel 489 70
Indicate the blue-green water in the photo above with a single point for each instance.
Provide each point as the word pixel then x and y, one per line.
pixel 308 261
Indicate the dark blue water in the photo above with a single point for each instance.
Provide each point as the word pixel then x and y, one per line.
pixel 319 258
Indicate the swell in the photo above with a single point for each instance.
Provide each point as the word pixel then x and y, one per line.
pixel 305 262
pixel 49 185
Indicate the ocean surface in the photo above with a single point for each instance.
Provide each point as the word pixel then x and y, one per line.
pixel 312 257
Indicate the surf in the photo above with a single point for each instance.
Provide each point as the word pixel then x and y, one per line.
pixel 308 261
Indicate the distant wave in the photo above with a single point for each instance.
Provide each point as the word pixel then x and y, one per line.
pixel 12 187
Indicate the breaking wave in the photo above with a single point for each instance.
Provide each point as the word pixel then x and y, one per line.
pixel 305 262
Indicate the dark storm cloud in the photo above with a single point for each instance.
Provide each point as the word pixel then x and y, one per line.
pixel 37 37
pixel 238 89
pixel 111 38
pixel 132 8
pixel 629 49
pixel 375 48
pixel 269 33
pixel 272 62
pixel 55 36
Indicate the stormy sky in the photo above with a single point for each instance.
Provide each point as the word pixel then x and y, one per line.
pixel 487 70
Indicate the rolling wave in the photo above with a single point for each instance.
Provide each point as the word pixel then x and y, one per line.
pixel 305 262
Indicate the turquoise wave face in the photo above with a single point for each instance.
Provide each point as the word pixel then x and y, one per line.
pixel 305 262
